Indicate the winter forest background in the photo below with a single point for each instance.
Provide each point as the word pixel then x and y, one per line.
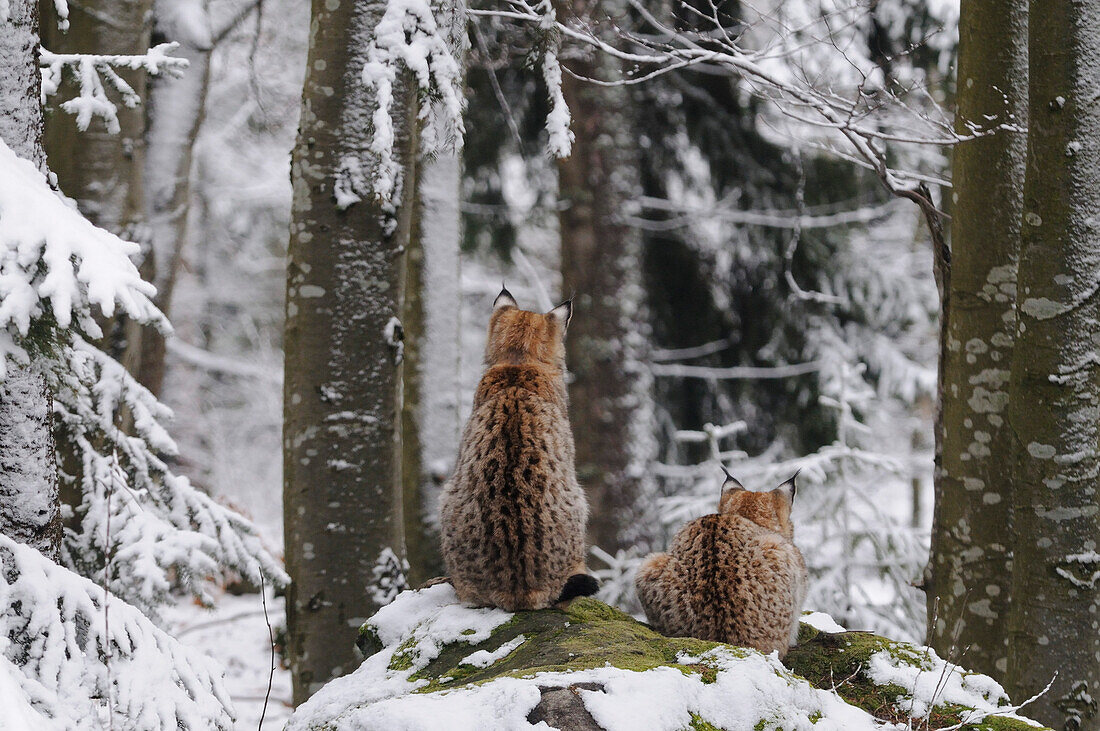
pixel 799 235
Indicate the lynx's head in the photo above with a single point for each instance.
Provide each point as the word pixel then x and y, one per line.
pixel 772 510
pixel 517 336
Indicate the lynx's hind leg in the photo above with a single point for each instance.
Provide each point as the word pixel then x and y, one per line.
pixel 663 600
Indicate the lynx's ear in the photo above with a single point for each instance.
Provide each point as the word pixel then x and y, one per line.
pixel 562 314
pixel 504 300
pixel 788 488
pixel 729 488
pixel 731 484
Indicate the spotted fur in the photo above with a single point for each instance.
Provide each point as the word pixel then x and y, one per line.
pixel 734 576
pixel 513 516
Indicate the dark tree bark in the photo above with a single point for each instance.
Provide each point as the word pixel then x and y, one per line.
pixel 969 585
pixel 29 508
pixel 601 263
pixel 1054 392
pixel 342 491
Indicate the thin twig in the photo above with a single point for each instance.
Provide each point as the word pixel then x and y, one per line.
pixel 271 638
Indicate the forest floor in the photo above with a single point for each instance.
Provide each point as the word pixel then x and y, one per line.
pixel 235 634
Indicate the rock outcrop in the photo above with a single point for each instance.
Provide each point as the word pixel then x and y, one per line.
pixel 436 664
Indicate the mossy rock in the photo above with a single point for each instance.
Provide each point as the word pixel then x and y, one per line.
pixel 589 634
pixel 838 660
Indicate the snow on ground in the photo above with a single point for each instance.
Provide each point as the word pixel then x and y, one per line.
pixel 235 634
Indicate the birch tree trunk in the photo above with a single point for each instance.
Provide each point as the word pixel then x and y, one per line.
pixel 601 262
pixel 345 280
pixel 1054 391
pixel 175 110
pixel 971 562
pixel 430 415
pixel 29 508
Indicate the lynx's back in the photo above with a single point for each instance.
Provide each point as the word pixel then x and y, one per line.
pixel 513 515
pixel 734 576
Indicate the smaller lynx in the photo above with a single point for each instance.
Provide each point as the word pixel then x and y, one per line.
pixel 734 576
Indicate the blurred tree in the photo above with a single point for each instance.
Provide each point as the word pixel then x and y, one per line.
pixel 609 398
pixel 430 421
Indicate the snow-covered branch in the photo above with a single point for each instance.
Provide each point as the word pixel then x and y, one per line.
pixel 164 531
pixel 408 36
pixel 95 73
pixel 77 670
pixel 56 266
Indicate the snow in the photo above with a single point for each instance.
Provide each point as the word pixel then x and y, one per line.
pixel 408 35
pixel 53 260
pixel 821 621
pixel 56 627
pixel 485 658
pixel 930 681
pixel 95 73
pixel 234 634
pixel 560 141
pixel 417 622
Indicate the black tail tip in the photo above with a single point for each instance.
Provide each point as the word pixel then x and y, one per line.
pixel 578 585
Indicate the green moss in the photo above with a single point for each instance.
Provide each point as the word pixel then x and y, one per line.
pixel 402 657
pixel 698 723
pixel 589 634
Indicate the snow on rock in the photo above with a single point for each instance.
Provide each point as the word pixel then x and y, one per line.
pixel 929 681
pixel 619 675
pixel 53 261
pixel 484 658
pixel 821 621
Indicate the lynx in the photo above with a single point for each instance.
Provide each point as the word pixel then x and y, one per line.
pixel 513 516
pixel 734 576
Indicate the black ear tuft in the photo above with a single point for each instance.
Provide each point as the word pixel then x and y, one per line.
pixel 504 299
pixel 563 313
pixel 789 487
pixel 731 482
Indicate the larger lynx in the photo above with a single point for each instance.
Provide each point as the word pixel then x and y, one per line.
pixel 734 576
pixel 513 515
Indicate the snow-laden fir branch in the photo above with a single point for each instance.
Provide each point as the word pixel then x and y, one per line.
pixel 56 265
pixel 56 269
pixel 94 73
pixel 53 645
pixel 408 36
pixel 164 531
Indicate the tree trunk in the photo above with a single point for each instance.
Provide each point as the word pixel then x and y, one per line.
pixel 29 508
pixel 101 171
pixel 430 416
pixel 430 413
pixel 175 110
pixel 601 263
pixel 1054 392
pixel 342 398
pixel 971 562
